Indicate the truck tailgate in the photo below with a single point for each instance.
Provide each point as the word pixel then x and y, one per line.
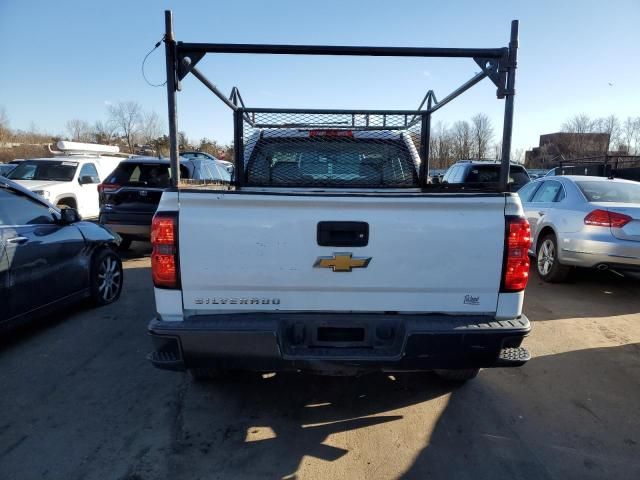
pixel 246 251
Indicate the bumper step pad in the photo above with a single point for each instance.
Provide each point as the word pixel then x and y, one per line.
pixel 166 360
pixel 513 357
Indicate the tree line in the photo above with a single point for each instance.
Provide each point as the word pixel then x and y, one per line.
pixel 126 124
pixel 135 130
pixel 473 139
pixel 624 135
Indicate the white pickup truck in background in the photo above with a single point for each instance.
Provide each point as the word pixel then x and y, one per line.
pixel 331 259
pixel 71 178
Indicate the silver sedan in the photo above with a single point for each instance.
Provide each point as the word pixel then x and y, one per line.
pixel 581 221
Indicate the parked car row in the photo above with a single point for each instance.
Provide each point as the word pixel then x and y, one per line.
pixel 50 257
pixel 120 193
pixel 576 221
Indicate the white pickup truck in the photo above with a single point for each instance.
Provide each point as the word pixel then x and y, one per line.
pixel 330 258
pixel 330 251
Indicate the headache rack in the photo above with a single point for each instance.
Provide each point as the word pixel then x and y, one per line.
pixel 328 156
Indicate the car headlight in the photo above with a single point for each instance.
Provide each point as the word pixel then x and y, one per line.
pixel 42 193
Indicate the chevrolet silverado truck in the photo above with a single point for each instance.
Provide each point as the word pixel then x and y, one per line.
pixel 329 251
pixel 332 259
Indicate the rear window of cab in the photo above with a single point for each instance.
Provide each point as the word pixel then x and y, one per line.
pixel 326 161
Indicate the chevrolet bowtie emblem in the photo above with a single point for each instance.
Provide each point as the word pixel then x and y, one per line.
pixel 342 262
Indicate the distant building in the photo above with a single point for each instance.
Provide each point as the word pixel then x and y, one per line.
pixel 556 147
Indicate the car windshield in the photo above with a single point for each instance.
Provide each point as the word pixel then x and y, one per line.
pixel 331 162
pixel 54 170
pixel 153 175
pixel 608 191
pixel 5 169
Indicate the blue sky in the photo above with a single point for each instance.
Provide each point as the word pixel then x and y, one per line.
pixel 68 59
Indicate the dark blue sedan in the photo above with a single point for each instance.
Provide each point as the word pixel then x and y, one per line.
pixel 50 258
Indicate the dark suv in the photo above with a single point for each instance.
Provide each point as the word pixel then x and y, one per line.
pixel 129 196
pixel 477 171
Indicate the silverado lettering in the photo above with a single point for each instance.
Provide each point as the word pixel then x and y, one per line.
pixel 236 301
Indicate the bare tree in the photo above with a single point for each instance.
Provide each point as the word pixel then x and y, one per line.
pixel 461 139
pixel 611 126
pixel 151 127
pixel 183 141
pixel 518 155
pixel 636 137
pixel 578 125
pixel 482 133
pixel 229 152
pixel 5 131
pixel 440 146
pixel 630 134
pixel 211 147
pixel 161 145
pixel 78 130
pixel 497 150
pixel 127 116
pixel 445 148
pixel 104 132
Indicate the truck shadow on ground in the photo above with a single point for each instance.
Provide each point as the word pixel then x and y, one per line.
pixel 280 420
pixel 570 415
pixel 587 293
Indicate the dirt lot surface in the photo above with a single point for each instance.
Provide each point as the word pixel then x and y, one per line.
pixel 79 401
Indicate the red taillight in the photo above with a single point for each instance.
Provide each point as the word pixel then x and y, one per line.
pixel 330 133
pixel 107 187
pixel 604 218
pixel 164 256
pixel 516 266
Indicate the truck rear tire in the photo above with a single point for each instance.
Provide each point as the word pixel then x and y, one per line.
pixel 458 375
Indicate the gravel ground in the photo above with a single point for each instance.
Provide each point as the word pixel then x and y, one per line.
pixel 79 401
